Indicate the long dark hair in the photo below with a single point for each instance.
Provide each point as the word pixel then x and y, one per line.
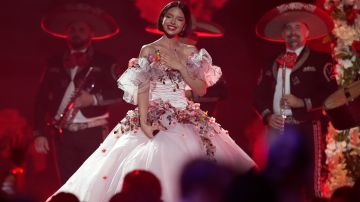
pixel 186 11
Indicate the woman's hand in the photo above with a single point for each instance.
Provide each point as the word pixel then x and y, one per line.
pixel 150 130
pixel 172 61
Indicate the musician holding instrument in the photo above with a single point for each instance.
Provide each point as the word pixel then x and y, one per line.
pixel 77 87
pixel 291 92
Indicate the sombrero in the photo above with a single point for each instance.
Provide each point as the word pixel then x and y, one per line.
pixel 323 44
pixel 56 22
pixel 270 26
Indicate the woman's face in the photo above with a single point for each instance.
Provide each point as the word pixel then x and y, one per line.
pixel 173 21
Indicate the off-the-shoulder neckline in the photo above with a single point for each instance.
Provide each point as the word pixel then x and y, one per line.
pixel 189 56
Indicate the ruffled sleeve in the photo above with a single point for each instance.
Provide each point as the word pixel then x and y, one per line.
pixel 135 79
pixel 200 66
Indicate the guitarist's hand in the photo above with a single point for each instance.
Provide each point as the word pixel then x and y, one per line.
pixel 41 145
pixel 293 101
pixel 85 99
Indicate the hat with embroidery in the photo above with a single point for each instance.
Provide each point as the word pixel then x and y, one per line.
pixel 271 25
pixel 103 25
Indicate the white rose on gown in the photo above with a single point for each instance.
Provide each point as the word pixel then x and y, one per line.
pixel 188 133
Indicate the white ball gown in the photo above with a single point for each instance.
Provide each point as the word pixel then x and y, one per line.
pixel 187 133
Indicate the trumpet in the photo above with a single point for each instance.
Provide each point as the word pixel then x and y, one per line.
pixel 68 114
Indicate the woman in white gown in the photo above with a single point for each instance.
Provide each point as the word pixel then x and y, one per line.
pixel 166 130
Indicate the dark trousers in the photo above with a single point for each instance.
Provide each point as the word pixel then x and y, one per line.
pixel 73 148
pixel 295 160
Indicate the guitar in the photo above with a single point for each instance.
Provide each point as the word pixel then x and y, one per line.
pixel 343 107
pixel 70 110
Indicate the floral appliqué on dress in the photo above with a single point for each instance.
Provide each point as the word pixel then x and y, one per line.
pixel 159 110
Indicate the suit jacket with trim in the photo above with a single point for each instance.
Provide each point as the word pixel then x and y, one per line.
pixel 312 79
pixel 57 78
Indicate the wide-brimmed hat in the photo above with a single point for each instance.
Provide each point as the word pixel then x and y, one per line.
pixel 103 25
pixel 271 25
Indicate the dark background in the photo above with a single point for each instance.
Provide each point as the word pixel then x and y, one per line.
pixel 240 54
pixel 25 47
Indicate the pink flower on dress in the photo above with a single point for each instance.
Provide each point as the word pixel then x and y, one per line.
pixel 135 120
pixel 133 62
pixel 151 58
pixel 196 106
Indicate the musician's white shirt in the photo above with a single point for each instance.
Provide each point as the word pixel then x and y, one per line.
pixel 79 117
pixel 278 88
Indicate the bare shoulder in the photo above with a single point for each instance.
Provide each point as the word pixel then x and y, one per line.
pixel 147 49
pixel 189 49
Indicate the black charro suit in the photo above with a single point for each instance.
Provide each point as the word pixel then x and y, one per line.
pixel 74 147
pixel 311 80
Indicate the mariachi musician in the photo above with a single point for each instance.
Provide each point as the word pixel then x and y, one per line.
pixel 76 88
pixel 290 96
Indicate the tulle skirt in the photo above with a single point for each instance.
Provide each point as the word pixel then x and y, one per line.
pixel 186 134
